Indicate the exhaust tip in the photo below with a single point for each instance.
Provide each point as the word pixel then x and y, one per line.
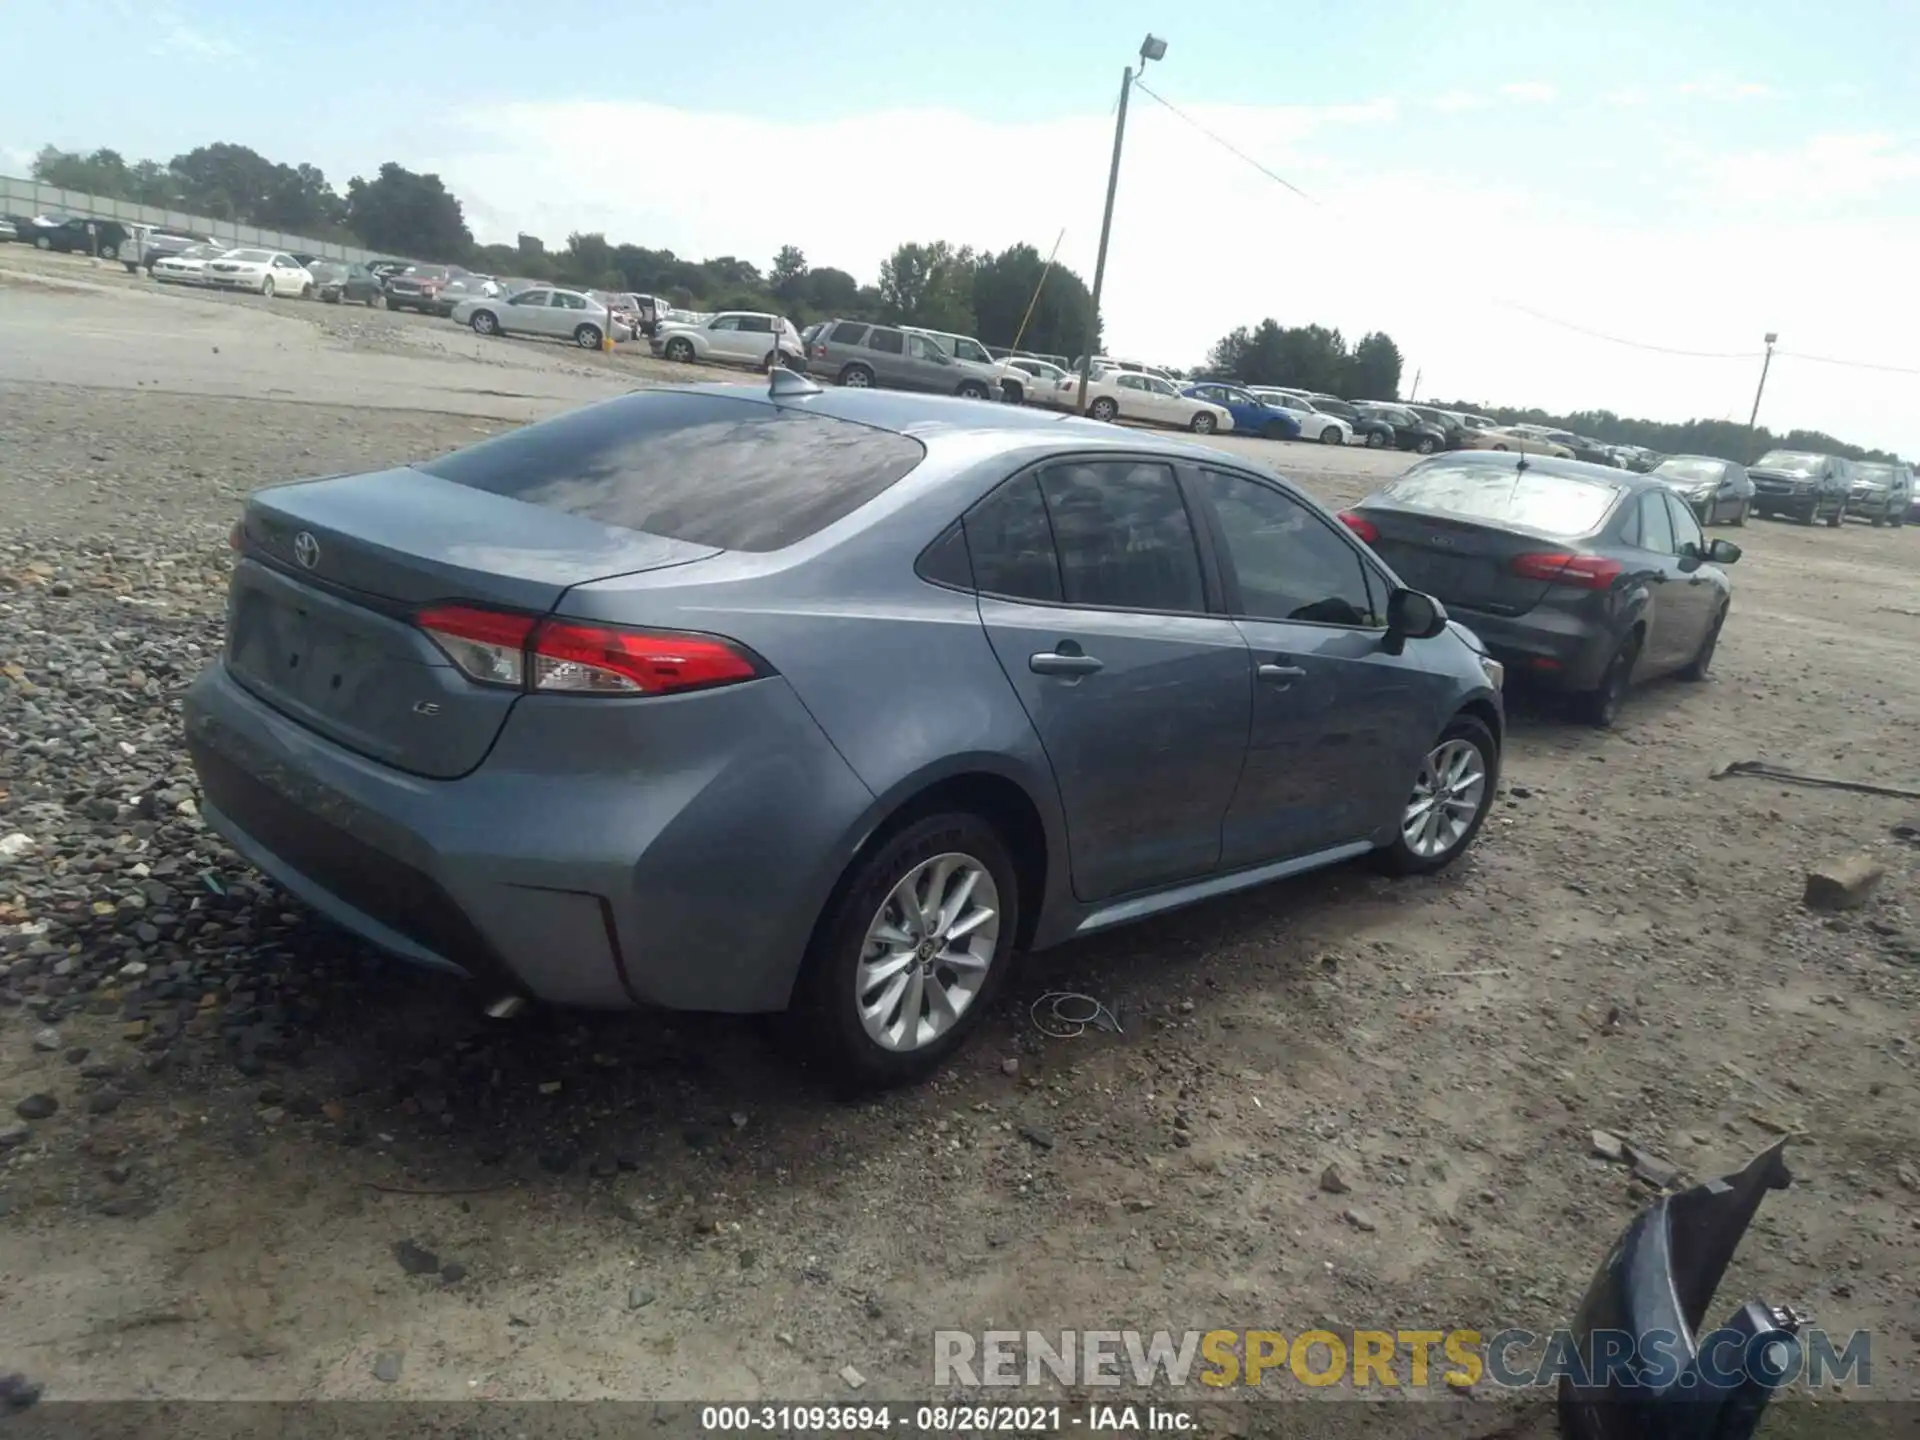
pixel 506 1007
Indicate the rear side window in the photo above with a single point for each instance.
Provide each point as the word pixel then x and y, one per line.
pixel 1123 536
pixel 1532 499
pixel 847 333
pixel 888 342
pixel 708 469
pixel 1011 543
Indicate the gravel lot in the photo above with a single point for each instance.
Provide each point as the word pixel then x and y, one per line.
pixel 239 1116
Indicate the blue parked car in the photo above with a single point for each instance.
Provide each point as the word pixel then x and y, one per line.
pixel 1251 414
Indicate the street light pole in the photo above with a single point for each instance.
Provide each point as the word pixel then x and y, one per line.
pixel 1765 365
pixel 1152 48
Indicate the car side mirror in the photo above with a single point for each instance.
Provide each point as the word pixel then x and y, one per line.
pixel 1412 615
pixel 1723 552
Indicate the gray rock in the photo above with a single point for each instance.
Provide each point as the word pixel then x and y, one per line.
pixel 639 1297
pixel 1358 1218
pixel 47 1040
pixel 36 1107
pixel 1333 1182
pixel 1651 1168
pixel 415 1259
pixel 14 1134
pixel 1607 1145
pixel 386 1366
pixel 1844 884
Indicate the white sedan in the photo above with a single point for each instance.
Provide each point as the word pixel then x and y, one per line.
pixel 544 310
pixel 1039 380
pixel 1314 424
pixel 1130 395
pixel 266 272
pixel 189 267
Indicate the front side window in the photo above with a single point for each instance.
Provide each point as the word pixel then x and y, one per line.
pixel 725 322
pixel 534 299
pixel 922 348
pixel 1686 529
pixel 1289 562
pixel 1123 536
pixel 971 350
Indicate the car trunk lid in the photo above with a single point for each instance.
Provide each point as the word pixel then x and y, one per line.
pixel 321 612
pixel 1459 562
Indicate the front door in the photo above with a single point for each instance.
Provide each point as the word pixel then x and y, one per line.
pixel 1092 597
pixel 1695 598
pixel 1658 565
pixel 1339 725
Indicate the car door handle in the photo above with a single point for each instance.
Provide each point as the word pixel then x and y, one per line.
pixel 1288 673
pixel 1053 662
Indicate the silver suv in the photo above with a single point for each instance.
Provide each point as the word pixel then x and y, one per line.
pixel 853 352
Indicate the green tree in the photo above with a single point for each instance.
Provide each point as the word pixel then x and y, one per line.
pixel 831 294
pixel 930 285
pixel 407 214
pixel 587 258
pixel 1007 284
pixel 788 277
pixel 1373 370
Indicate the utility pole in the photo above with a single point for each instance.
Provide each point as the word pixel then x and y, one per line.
pixel 1766 364
pixel 1152 48
pixel 1414 393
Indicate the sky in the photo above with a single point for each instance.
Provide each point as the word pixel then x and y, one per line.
pixel 1507 189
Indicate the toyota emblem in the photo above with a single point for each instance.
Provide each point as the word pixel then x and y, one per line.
pixel 306 550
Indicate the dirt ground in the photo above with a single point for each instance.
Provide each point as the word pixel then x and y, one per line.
pixel 660 1207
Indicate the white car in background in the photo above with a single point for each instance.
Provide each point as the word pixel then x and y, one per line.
pixel 1039 380
pixel 544 310
pixel 189 267
pixel 1134 395
pixel 1314 424
pixel 733 337
pixel 266 272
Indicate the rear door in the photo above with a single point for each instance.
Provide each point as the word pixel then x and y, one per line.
pixel 1656 561
pixel 526 313
pixel 887 353
pixel 1092 593
pixel 1339 725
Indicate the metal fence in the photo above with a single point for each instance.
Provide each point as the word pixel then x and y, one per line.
pixel 30 197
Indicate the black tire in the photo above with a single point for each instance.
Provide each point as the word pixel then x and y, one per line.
pixel 1203 424
pixel 306 291
pixel 484 322
pixel 1740 515
pixel 1600 706
pixel 1703 661
pixel 1398 858
pixel 824 1018
pixel 1275 431
pixel 1331 436
pixel 373 300
pixel 857 377
pixel 1104 408
pixel 587 337
pixel 1501 448
pixel 133 266
pixel 266 288
pixel 971 390
pixel 769 362
pixel 1376 441
pixel 1879 520
pixel 679 350
pixel 1012 393
pixel 330 299
pixel 1808 516
pixel 1424 445
pixel 1838 518
pixel 41 242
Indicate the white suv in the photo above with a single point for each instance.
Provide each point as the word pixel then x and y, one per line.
pixel 733 337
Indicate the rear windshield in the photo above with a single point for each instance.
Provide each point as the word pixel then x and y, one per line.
pixel 1876 474
pixel 708 469
pixel 1689 469
pixel 1531 499
pixel 1791 462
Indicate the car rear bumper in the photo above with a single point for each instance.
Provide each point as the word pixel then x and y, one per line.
pixel 1546 647
pixel 694 885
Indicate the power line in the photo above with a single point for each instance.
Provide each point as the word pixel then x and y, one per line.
pixel 1514 305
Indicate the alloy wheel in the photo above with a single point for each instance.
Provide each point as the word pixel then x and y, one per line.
pixel 1446 798
pixel 927 952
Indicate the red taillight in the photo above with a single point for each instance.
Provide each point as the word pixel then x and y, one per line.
pixel 1586 572
pixel 1360 526
pixel 235 535
pixel 819 352
pixel 568 657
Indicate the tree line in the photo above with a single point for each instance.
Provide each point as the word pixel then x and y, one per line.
pixel 407 214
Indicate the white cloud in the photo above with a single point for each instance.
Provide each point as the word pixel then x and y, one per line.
pixel 1455 102
pixel 1627 97
pixel 1721 88
pixel 1530 92
pixel 1203 242
pixel 1823 170
pixel 184 41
